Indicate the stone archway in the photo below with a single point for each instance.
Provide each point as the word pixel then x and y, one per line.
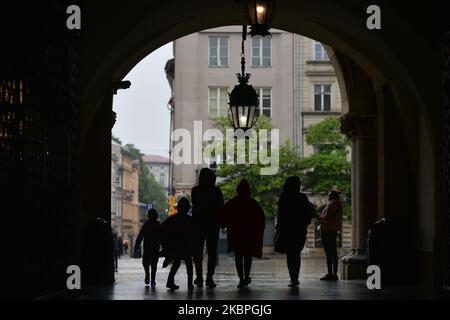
pixel 399 67
pixel 383 83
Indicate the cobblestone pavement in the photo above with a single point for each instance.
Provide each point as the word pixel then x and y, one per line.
pixel 270 279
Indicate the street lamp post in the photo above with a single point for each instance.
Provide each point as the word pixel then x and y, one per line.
pixel 119 197
pixel 171 108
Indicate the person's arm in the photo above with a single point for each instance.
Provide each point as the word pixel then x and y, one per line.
pixel 194 200
pixel 262 217
pixel 139 239
pixel 281 212
pixel 220 200
pixel 328 212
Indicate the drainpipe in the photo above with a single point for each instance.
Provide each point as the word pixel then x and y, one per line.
pixel 294 98
pixel 302 143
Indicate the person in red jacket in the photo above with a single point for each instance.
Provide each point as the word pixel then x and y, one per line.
pixel 330 225
pixel 245 222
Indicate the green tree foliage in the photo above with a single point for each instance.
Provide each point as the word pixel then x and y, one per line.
pixel 329 168
pixel 265 189
pixel 149 190
pixel 327 136
pixel 326 170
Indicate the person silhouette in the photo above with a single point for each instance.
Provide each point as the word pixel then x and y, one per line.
pixel 116 252
pixel 245 222
pixel 294 215
pixel 207 201
pixel 150 233
pixel 125 247
pixel 330 225
pixel 177 243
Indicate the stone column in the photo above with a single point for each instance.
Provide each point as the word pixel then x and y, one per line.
pixel 361 129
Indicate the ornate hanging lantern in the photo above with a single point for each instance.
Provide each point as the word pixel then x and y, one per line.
pixel 244 102
pixel 260 15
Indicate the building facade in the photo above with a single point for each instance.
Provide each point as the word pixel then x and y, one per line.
pixel 126 210
pixel 159 167
pixel 116 188
pixel 293 76
pixel 317 91
pixel 130 196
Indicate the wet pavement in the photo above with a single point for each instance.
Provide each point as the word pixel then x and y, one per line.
pixel 270 282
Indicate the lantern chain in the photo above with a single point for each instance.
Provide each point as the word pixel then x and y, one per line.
pixel 244 76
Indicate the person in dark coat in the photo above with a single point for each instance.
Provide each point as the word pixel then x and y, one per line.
pixel 245 221
pixel 177 243
pixel 207 201
pixel 120 245
pixel 116 252
pixel 150 233
pixel 294 215
pixel 125 246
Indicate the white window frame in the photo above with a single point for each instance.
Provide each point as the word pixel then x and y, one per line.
pixel 260 90
pixel 324 55
pixel 260 48
pixel 323 93
pixel 219 37
pixel 218 89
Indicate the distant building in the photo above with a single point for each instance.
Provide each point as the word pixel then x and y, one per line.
pixel 159 168
pixel 316 89
pixel 126 210
pixel 116 188
pixel 130 195
pixel 293 77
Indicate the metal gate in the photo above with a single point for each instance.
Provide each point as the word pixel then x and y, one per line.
pixel 38 148
pixel 446 164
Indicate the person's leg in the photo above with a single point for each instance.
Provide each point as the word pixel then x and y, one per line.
pixel 146 265
pixel 289 262
pixel 211 244
pixel 301 246
pixel 198 260
pixel 171 279
pixel 189 271
pixel 334 254
pixel 328 241
pixel 239 262
pixel 293 262
pixel 326 248
pixel 297 265
pixel 154 265
pixel 247 269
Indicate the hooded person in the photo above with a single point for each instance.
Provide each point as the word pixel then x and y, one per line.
pixel 207 201
pixel 294 215
pixel 245 222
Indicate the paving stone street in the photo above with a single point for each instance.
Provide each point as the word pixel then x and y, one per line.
pixel 270 282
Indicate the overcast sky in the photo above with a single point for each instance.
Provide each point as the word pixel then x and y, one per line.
pixel 142 115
